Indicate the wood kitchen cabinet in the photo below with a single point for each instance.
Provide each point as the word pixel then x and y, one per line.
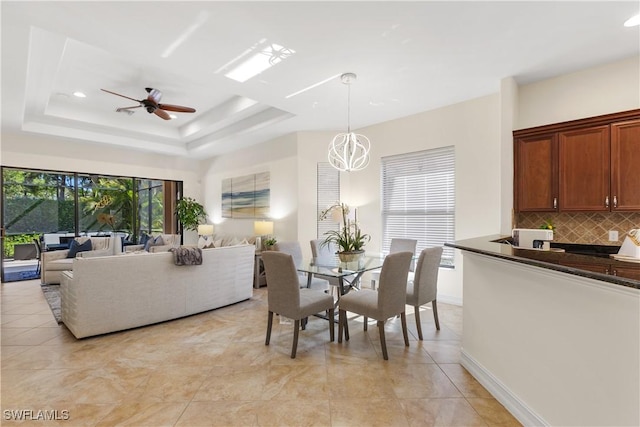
pixel 586 165
pixel 536 170
pixel 625 166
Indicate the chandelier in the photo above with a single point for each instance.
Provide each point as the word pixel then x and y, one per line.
pixel 349 151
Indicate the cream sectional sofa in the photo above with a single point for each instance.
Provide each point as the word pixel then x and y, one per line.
pixel 118 292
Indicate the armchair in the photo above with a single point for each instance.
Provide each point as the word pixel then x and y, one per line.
pixel 55 262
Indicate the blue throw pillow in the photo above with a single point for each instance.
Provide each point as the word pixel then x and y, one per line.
pixel 151 242
pixel 144 238
pixel 76 247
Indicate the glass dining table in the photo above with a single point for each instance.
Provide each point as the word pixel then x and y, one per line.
pixel 347 273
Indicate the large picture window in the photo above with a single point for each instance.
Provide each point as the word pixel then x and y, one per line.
pixel 418 199
pixel 36 202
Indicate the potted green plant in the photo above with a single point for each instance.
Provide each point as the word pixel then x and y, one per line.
pixel 349 239
pixel 269 243
pixel 190 213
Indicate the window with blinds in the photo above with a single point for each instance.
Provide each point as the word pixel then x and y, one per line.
pixel 328 195
pixel 418 199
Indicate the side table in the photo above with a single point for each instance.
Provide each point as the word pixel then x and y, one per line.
pixel 259 276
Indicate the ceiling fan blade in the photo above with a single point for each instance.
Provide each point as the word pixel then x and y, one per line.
pixel 161 113
pixel 128 108
pixel 117 94
pixel 176 108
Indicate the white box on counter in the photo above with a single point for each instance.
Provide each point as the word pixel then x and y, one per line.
pixel 525 238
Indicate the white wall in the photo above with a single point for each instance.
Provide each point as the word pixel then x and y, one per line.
pixel 508 118
pixel 591 92
pixel 472 127
pixel 56 154
pixel 554 348
pixel 279 157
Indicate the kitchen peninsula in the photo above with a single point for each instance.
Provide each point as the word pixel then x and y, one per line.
pixel 555 336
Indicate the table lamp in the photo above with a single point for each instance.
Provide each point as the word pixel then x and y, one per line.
pixel 205 229
pixel 262 228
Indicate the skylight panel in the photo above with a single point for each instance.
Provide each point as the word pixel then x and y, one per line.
pixel 253 61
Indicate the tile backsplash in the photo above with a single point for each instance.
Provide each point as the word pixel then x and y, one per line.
pixel 584 227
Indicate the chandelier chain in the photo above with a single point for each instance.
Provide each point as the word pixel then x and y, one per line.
pixel 349 108
pixel 349 151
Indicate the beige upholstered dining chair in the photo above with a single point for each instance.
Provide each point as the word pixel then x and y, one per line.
pixel 287 299
pixel 294 249
pixel 397 245
pixel 424 286
pixel 387 302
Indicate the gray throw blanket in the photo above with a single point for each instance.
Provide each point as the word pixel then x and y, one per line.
pixel 187 256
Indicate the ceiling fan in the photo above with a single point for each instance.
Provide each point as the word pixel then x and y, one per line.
pixel 152 104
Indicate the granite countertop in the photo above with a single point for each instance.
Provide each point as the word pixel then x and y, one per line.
pixel 594 267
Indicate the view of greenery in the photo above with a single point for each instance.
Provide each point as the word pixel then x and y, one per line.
pixel 36 202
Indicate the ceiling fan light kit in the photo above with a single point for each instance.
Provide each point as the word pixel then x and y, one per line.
pixel 349 151
pixel 152 104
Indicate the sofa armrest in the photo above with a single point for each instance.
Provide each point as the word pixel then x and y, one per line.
pixel 53 255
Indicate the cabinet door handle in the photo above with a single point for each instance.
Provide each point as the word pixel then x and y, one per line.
pixel 555 203
pixel 606 202
pixel 615 201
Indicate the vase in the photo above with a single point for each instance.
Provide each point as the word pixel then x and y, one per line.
pixel 350 256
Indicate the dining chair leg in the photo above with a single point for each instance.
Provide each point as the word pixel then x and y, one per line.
pixel 331 329
pixel 269 324
pixel 366 323
pixel 296 331
pixel 416 311
pixel 435 314
pixel 341 315
pixel 383 341
pixel 346 327
pixel 403 319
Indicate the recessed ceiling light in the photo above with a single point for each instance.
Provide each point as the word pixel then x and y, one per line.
pixel 253 61
pixel 633 21
pixel 173 116
pixel 79 94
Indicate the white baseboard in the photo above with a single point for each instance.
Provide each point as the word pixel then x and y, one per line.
pixel 510 401
pixel 446 299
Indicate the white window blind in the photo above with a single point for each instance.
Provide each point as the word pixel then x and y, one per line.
pixel 328 194
pixel 418 199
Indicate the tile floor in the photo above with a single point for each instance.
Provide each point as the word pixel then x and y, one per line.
pixel 213 369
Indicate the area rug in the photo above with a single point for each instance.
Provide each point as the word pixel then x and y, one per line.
pixel 52 295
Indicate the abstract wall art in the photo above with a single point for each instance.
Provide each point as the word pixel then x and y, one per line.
pixel 246 196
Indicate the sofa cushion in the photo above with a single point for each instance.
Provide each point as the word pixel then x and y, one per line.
pixel 158 241
pixel 76 247
pixel 205 243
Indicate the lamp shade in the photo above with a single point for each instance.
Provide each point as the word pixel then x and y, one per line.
pixel 205 229
pixel 262 228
